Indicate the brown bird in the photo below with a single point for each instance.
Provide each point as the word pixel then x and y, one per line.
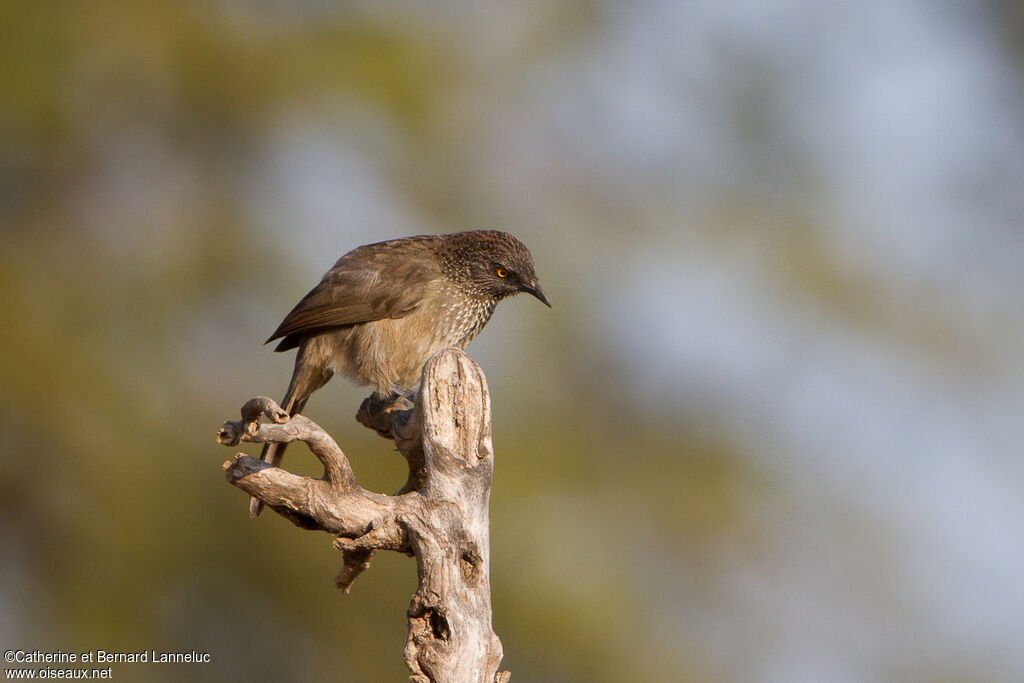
pixel 385 308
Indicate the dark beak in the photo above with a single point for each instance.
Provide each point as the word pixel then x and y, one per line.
pixel 535 290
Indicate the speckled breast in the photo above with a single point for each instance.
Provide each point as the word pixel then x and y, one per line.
pixel 462 316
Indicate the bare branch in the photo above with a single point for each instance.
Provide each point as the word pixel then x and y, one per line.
pixel 355 563
pixel 337 469
pixel 440 516
pixel 310 503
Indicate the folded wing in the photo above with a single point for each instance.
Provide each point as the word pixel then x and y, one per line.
pixel 366 284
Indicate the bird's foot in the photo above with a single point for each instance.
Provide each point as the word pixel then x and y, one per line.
pixel 245 429
pixel 380 412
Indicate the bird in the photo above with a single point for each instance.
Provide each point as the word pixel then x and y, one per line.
pixel 383 309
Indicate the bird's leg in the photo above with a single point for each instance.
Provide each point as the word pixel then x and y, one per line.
pixel 402 399
pixel 397 399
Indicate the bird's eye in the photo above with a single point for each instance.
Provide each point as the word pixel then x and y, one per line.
pixel 502 272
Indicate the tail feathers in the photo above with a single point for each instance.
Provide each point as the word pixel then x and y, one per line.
pixel 310 374
pixel 273 453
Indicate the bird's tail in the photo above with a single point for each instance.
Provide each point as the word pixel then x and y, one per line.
pixel 305 380
pixel 273 453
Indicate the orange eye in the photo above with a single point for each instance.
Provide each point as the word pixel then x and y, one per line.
pixel 502 272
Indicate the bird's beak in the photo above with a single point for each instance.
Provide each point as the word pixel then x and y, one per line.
pixel 535 290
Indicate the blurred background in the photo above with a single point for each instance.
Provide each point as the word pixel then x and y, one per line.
pixel 769 432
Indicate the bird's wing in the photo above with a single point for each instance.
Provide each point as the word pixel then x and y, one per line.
pixel 368 283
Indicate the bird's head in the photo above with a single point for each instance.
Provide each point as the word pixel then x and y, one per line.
pixel 493 263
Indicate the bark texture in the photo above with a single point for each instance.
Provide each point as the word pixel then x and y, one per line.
pixel 440 515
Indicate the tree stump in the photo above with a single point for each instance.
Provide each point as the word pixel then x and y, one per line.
pixel 440 516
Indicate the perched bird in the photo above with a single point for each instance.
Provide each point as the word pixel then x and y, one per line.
pixel 385 308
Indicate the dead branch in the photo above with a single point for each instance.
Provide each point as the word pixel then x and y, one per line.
pixel 440 515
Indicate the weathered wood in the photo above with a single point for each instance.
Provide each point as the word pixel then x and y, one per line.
pixel 440 516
